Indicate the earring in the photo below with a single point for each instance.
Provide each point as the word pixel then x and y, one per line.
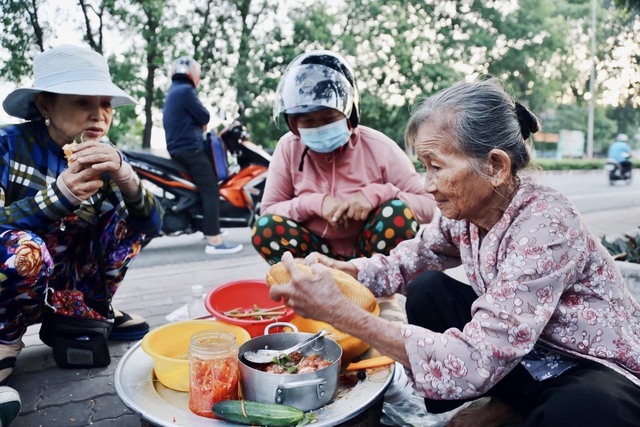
pixel 47 121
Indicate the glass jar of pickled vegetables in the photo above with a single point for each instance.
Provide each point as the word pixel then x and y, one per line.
pixel 213 371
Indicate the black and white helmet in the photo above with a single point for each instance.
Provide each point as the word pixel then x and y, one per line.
pixel 315 80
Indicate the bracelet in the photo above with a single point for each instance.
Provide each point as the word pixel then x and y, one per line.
pixel 75 200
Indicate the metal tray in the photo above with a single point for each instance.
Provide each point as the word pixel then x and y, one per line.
pixel 139 389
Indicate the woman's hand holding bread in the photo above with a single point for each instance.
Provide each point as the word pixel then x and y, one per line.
pixel 298 284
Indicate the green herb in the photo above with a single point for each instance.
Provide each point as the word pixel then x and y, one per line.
pixel 309 417
pixel 286 363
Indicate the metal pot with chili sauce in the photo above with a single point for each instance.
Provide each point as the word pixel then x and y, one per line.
pixel 307 379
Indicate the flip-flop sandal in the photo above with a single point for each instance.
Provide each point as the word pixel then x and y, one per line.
pixel 128 327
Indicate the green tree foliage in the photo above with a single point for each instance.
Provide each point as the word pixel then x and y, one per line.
pixel 575 116
pixel 230 39
pixel 529 49
pixel 629 5
pixel 401 51
pixel 150 19
pixel 619 57
pixel 22 36
pixel 626 117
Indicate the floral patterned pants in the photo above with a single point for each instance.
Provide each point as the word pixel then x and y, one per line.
pixel 61 259
pixel 388 225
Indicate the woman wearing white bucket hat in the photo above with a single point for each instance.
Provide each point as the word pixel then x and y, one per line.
pixel 51 205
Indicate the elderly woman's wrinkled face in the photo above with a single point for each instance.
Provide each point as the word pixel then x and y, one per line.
pixel 459 191
pixel 72 115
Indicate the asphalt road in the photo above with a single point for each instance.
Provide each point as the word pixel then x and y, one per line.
pixel 590 191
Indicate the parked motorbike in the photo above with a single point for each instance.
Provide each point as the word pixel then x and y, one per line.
pixel 619 171
pixel 240 191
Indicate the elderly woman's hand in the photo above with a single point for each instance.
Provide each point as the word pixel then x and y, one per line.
pixel 316 297
pixel 344 266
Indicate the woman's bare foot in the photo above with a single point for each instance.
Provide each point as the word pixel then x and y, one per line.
pixel 492 414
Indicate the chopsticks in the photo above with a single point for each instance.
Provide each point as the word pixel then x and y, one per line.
pixel 258 312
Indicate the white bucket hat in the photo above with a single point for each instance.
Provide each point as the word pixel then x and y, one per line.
pixel 68 70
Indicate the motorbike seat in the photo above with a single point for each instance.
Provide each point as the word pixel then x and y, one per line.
pixel 152 159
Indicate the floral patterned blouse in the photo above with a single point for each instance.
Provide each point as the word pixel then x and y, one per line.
pixel 541 278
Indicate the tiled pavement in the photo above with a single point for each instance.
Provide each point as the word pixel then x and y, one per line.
pixel 54 397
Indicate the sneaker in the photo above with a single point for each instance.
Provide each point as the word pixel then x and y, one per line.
pixel 224 248
pixel 9 405
pixel 8 356
pixel 128 327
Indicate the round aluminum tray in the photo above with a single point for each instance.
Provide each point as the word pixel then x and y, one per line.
pixel 137 386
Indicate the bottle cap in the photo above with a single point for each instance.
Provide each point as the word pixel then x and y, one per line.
pixel 196 290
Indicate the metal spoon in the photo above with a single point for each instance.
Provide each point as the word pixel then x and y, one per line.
pixel 267 356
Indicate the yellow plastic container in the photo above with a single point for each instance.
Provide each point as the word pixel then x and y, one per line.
pixel 168 346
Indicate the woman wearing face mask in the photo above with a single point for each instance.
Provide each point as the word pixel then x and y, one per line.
pixel 334 186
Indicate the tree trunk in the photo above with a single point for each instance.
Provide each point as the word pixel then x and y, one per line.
pixel 149 97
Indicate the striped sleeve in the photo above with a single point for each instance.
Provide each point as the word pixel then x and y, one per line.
pixel 31 213
pixel 144 214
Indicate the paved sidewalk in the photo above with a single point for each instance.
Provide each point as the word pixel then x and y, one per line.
pixel 55 397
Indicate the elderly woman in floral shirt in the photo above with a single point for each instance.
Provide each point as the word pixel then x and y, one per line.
pixel 546 326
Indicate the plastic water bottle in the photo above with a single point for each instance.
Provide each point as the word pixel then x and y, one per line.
pixel 196 306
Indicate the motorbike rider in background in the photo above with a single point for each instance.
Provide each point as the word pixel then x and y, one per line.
pixel 620 150
pixel 184 119
pixel 334 186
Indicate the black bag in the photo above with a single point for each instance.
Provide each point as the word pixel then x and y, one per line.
pixel 77 342
pixel 76 329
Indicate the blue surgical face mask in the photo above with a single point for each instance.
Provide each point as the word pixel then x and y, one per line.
pixel 325 139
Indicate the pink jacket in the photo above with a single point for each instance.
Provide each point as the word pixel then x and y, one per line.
pixel 371 163
pixel 540 277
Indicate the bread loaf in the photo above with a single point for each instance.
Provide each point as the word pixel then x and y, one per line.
pixel 67 149
pixel 354 290
pixel 352 347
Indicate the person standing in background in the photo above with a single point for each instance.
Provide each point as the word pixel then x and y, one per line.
pixel 184 119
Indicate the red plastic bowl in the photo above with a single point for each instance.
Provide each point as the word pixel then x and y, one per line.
pixel 244 294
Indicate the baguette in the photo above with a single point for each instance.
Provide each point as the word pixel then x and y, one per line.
pixel 354 290
pixel 67 148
